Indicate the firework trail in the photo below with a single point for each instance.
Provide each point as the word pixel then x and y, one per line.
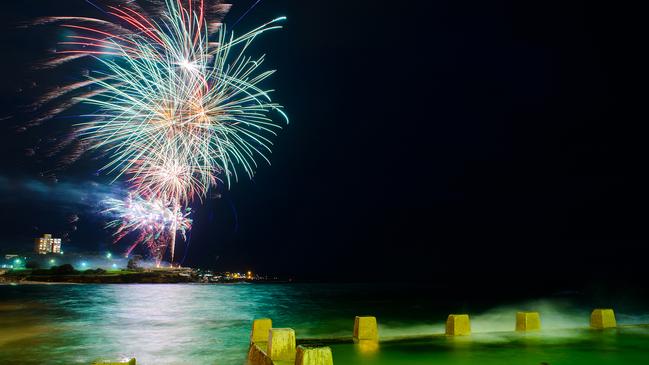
pixel 153 220
pixel 178 105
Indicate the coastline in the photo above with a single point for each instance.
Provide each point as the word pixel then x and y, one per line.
pixel 119 277
pixel 125 277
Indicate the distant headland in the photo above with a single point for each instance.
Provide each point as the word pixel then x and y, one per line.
pixel 67 274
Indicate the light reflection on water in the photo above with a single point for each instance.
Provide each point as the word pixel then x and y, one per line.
pixel 210 324
pixel 165 324
pixel 158 323
pixel 562 346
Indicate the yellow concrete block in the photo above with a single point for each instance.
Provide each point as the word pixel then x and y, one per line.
pixel 602 318
pixel 528 321
pixel 260 329
pixel 458 325
pixel 313 356
pixel 257 356
pixel 367 347
pixel 281 344
pixel 365 328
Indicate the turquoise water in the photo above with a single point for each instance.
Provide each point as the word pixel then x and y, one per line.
pixel 210 324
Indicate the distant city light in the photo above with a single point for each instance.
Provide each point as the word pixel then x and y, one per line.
pixel 52 261
pixel 84 264
pixel 17 261
pixel 47 244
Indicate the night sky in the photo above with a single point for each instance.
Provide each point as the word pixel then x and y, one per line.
pixel 428 140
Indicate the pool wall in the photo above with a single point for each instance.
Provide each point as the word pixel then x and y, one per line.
pixel 279 346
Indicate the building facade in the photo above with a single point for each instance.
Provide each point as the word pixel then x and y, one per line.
pixel 47 244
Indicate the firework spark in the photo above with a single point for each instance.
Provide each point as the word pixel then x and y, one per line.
pixel 153 220
pixel 178 105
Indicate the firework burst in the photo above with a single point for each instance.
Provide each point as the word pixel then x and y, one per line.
pixel 153 220
pixel 178 105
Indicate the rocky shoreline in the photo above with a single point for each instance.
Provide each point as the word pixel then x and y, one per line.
pixel 118 277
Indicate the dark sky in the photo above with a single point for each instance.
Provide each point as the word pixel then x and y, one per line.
pixel 428 139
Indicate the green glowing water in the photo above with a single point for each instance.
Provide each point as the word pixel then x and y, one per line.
pixel 210 324
pixel 617 346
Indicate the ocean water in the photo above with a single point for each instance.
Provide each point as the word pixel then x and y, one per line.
pixel 210 324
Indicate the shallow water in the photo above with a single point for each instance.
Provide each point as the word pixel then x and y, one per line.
pixel 210 324
pixel 555 347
